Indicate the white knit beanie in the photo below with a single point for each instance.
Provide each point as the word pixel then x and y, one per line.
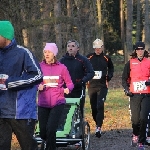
pixel 97 43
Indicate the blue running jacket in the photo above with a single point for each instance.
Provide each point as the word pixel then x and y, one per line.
pixel 24 73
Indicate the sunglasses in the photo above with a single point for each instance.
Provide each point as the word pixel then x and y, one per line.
pixel 139 48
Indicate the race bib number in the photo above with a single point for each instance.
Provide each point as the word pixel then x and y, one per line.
pixel 98 75
pixel 139 86
pixel 51 81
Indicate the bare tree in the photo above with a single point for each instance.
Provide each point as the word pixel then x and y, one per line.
pixel 69 12
pixel 46 15
pixel 138 21
pixel 147 25
pixel 83 22
pixel 122 23
pixel 40 21
pixel 99 19
pixel 57 25
pixel 129 28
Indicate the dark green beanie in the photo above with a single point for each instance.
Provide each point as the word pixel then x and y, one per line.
pixel 6 30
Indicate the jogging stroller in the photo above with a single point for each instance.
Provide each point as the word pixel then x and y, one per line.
pixel 72 128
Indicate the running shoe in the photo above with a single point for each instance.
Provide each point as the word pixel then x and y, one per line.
pixel 98 132
pixel 79 144
pixel 148 140
pixel 134 141
pixel 141 146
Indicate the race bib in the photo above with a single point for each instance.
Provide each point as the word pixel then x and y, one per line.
pixel 139 86
pixel 51 81
pixel 98 75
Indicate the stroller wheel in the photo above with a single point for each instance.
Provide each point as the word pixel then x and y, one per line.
pixel 86 136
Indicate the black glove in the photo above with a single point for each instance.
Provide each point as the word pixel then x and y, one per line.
pixel 128 93
pixel 147 83
pixel 108 78
pixel 79 84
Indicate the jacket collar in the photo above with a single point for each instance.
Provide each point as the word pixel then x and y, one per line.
pixel 53 64
pixel 13 43
pixel 99 55
pixel 67 55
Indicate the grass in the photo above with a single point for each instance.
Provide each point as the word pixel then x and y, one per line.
pixel 116 111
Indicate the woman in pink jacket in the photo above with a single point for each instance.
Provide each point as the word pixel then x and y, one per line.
pixel 51 98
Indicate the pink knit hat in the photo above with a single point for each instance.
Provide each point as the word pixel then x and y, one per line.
pixel 51 47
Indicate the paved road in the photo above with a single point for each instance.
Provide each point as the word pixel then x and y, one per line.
pixel 111 140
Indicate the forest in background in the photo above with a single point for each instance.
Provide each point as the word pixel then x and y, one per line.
pixel 119 23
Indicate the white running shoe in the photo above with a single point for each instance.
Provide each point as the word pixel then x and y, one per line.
pixel 134 141
pixel 98 132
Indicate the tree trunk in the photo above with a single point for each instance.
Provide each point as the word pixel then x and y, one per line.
pixel 129 28
pixel 69 12
pixel 122 23
pixel 57 13
pixel 138 21
pixel 146 25
pixel 99 19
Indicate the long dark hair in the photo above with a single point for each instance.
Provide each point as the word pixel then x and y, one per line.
pixel 134 54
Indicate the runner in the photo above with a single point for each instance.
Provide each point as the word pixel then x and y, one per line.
pixel 51 98
pixel 98 86
pixel 80 69
pixel 135 78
